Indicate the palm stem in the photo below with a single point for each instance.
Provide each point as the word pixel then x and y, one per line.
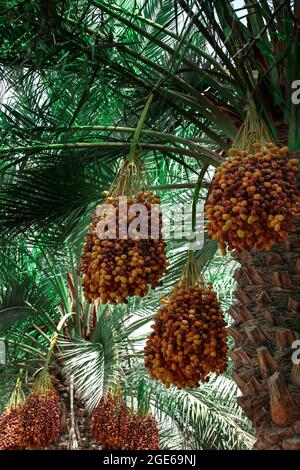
pixel 202 154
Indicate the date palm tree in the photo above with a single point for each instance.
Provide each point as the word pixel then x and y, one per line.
pixel 100 346
pixel 76 84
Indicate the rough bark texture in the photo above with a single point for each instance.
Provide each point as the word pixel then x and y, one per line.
pixel 266 322
pixel 77 435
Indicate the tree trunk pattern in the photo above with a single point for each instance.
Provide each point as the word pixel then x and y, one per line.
pixel 266 322
pixel 81 425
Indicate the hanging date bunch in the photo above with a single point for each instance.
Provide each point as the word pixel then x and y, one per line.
pixel 115 427
pixel 124 253
pixel 12 424
pixel 253 200
pixel 109 422
pixel 142 432
pixel 42 413
pixel 189 337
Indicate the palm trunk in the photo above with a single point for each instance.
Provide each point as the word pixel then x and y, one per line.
pixel 75 429
pixel 266 322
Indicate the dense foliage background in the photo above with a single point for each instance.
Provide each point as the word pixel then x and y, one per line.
pixel 74 78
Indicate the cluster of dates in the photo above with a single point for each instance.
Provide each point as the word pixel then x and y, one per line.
pixel 128 261
pixel 34 422
pixel 189 338
pixel 253 200
pixel 115 427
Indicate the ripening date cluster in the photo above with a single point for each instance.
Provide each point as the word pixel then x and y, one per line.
pixel 114 427
pixel 142 433
pixel 42 417
pixel 253 200
pixel 109 423
pixel 12 429
pixel 115 269
pixel 35 422
pixel 189 338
